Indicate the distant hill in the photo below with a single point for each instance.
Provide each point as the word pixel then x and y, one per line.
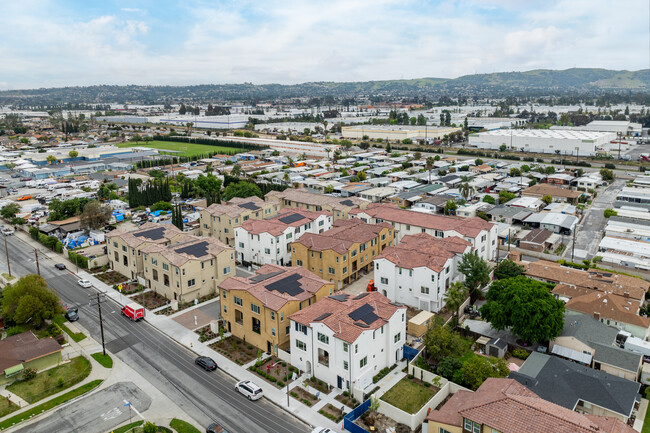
pixel 529 83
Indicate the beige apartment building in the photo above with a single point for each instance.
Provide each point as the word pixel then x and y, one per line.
pixel 257 309
pixel 124 247
pixel 296 198
pixel 220 220
pixel 343 252
pixel 189 269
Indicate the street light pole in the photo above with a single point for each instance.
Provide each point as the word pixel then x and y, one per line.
pixel 38 267
pixel 101 321
pixel 7 252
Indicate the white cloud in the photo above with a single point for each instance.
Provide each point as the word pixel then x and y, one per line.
pixel 295 41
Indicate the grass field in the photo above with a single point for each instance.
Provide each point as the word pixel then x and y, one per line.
pixel 52 381
pixel 183 426
pixel 6 407
pixel 104 360
pixel 186 149
pixel 408 395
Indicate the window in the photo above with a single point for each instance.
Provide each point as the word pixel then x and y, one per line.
pixel 299 262
pixel 114 244
pixel 472 426
pixel 337 259
pixel 345 347
pixel 397 337
pixel 225 230
pixel 165 266
pixel 345 257
pixel 255 308
pixel 241 245
pixel 345 269
pixel 123 248
pixel 320 223
pixel 384 280
pixel 442 430
pixel 331 270
pixel 202 265
pixel 433 278
pixel 323 338
pixel 273 331
pixel 408 227
pixel 410 272
pixel 225 309
pixel 300 345
pixel 226 270
pixel 353 253
pixel 301 328
pixel 362 248
pixel 224 294
pixel 363 362
pixel 154 262
pixel 356 349
pixel 289 235
pixel 267 251
pixel 383 237
pixel 377 266
pixel 282 318
pixel 272 315
pixel 424 290
pixel 238 301
pixel 345 365
pixel 287 330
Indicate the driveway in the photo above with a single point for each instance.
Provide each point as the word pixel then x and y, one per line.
pixel 590 232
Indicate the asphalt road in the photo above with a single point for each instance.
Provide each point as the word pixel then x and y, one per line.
pixel 206 397
pixel 101 411
pixel 590 232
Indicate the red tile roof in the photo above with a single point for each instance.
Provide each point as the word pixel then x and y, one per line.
pixel 275 226
pixel 424 250
pixel 232 208
pixel 470 227
pixel 609 306
pixel 344 234
pixel 272 299
pixel 509 407
pixel 339 321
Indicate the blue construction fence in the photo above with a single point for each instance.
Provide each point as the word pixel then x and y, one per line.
pixel 348 419
pixel 410 353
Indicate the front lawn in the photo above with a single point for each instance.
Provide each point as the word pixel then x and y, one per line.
pixel 183 426
pixel 235 349
pixel 274 370
pixel 104 360
pixel 646 422
pixel 185 149
pixel 61 322
pixel 409 395
pixel 52 381
pixel 6 407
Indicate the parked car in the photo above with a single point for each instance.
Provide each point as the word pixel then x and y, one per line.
pixel 206 363
pixel 7 231
pixel 322 430
pixel 15 175
pixel 85 283
pixel 23 198
pixel 215 428
pixel 249 389
pixel 60 266
pixel 72 314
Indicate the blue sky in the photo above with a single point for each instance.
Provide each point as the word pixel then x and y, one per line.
pixel 68 43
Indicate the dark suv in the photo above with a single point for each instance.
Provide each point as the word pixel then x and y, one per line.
pixel 206 362
pixel 72 314
pixel 215 428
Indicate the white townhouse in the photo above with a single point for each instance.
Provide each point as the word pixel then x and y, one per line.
pixel 418 271
pixel 482 235
pixel 345 340
pixel 269 241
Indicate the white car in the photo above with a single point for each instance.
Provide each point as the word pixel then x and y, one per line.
pixel 7 231
pixel 85 283
pixel 322 430
pixel 249 389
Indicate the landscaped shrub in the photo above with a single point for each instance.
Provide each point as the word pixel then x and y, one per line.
pixel 520 353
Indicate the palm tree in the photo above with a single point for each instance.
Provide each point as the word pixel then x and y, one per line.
pixel 456 294
pixel 465 190
pixel 289 161
pixel 286 177
pixel 236 170
pixel 429 164
pixel 328 150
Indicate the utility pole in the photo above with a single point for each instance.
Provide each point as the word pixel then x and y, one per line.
pixel 7 252
pixel 573 244
pixel 101 297
pixel 38 267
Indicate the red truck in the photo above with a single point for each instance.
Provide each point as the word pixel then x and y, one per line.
pixel 133 311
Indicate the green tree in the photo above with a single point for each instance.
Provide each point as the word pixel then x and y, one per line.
pixel 206 185
pixel 430 161
pixel 455 296
pixel 162 205
pixel 73 154
pixel 507 269
pixel 478 368
pixel 95 215
pixel 489 199
pixel 9 210
pixel 526 307
pixel 475 269
pixel 361 176
pixel 441 342
pixel 241 189
pixel 447 367
pixel 236 170
pixel 177 216
pixel 607 213
pixel 505 196
pixel 417 155
pixel 503 148
pixel 137 138
pixel 548 199
pixel 450 207
pixel 515 172
pixel 29 300
pixel 607 174
pixel 51 159
pixel 466 190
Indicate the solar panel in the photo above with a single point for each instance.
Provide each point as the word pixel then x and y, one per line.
pixel 340 297
pixel 347 202
pixel 363 325
pixel 289 285
pixel 196 250
pixel 154 234
pixel 249 206
pixel 292 218
pixel 361 296
pixel 365 313
pixel 262 277
pixel 322 317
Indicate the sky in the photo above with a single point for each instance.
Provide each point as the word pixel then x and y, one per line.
pixel 162 42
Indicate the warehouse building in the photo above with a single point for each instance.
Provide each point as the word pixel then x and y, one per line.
pixel 396 132
pixel 562 142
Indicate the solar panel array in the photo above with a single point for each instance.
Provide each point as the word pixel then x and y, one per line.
pixel 262 277
pixel 291 218
pixel 249 206
pixel 347 202
pixel 342 297
pixel 364 313
pixel 322 317
pixel 360 296
pixel 154 234
pixel 197 250
pixel 289 285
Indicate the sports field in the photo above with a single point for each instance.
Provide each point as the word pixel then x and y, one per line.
pixel 185 149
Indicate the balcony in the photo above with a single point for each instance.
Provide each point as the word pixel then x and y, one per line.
pixel 323 357
pixel 239 317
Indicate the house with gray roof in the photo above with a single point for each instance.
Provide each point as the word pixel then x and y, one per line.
pixel 578 387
